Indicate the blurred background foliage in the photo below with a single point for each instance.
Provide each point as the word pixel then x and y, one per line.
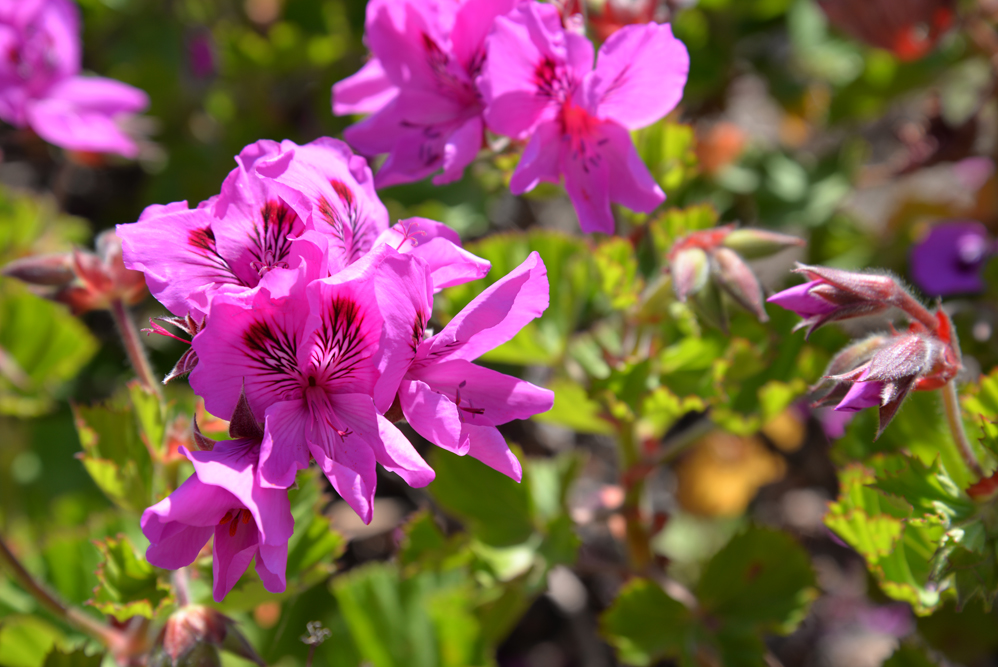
pixel 788 122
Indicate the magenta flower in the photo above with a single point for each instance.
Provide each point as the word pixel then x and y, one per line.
pixel 860 396
pixel 456 404
pixel 314 356
pixel 420 86
pixel 538 82
pixel 40 84
pixel 223 498
pixel 950 259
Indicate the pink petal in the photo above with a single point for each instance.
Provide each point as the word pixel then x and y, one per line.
pixel 396 454
pixel 460 150
pixel 379 132
pixel 587 182
pixel 440 247
pixel 472 23
pixel 272 565
pixel 540 159
pixel 639 75
pixel 486 444
pixel 156 210
pixel 487 397
pixel 284 450
pixel 433 415
pixel 495 315
pixel 367 91
pixel 861 395
pixel 631 184
pixel 231 555
pixel 180 524
pixel 350 468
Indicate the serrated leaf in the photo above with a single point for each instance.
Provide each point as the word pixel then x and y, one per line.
pixel 668 149
pixel 496 509
pixel 25 640
pixel 661 409
pixel 762 579
pixel 148 408
pixel 927 488
pixel 129 586
pixel 114 453
pixel 573 409
pixel 644 624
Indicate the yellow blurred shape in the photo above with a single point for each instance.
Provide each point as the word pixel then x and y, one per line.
pixel 786 430
pixel 723 472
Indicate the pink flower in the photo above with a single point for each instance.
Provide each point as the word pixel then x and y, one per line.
pixel 314 356
pixel 538 82
pixel 223 498
pixel 40 84
pixel 420 86
pixel 275 194
pixel 456 404
pixel 440 247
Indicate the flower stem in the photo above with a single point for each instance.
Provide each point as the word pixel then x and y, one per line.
pixel 633 481
pixel 133 346
pixel 75 617
pixel 181 586
pixel 951 406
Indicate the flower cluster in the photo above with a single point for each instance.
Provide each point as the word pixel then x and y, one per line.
pixel 880 370
pixel 310 318
pixel 441 73
pixel 41 86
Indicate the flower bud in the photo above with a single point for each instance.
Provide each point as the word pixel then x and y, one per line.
pixel 757 243
pixel 690 271
pixel 44 270
pixel 194 634
pixel 737 279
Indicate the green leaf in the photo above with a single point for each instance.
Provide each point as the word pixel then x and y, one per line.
pixel 908 655
pixel 645 624
pixel 761 579
pixel 496 509
pixel 676 223
pixel 78 658
pixel 574 410
pixel 148 410
pixel 314 544
pixel 669 150
pixel 927 488
pixel 129 586
pixel 617 265
pixel 25 640
pixel 42 346
pixel 974 573
pixel 114 453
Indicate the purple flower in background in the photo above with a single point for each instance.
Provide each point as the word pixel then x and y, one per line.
pixel 456 404
pixel 538 82
pixel 224 498
pixel 420 87
pixel 950 259
pixel 201 54
pixel 313 356
pixel 40 84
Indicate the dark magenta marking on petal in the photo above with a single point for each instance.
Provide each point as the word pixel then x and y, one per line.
pixel 270 242
pixel 352 230
pixel 275 354
pixel 340 344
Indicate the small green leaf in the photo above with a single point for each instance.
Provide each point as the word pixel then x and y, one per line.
pixel 618 270
pixel 78 658
pixel 129 586
pixel 908 655
pixel 148 409
pixel 496 509
pixel 927 488
pixel 645 624
pixel 574 409
pixel 762 578
pixel 114 453
pixel 669 150
pixel 26 640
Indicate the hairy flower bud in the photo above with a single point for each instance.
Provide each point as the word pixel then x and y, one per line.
pixel 758 243
pixel 690 272
pixel 84 280
pixel 737 279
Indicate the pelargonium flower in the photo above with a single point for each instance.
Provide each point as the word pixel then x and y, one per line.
pixel 225 499
pixel 275 193
pixel 420 86
pixel 951 257
pixel 456 404
pixel 440 247
pixel 40 84
pixel 538 83
pixel 313 356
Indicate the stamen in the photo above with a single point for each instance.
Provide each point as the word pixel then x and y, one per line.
pixel 226 518
pixel 233 526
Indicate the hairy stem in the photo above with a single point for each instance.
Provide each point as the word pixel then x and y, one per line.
pixel 181 586
pixel 951 406
pixel 75 617
pixel 133 346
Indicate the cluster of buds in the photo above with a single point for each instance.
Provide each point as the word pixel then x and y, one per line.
pixel 709 264
pixel 194 634
pixel 907 28
pixel 880 370
pixel 81 279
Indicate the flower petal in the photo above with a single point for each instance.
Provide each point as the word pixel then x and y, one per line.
pixel 367 91
pixel 460 150
pixel 632 185
pixel 433 415
pixel 232 554
pixel 284 450
pixel 396 454
pixel 540 159
pixel 486 444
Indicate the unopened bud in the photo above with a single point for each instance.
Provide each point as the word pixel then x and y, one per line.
pixel 45 270
pixel 194 634
pixel 757 243
pixel 690 271
pixel 710 306
pixel 737 279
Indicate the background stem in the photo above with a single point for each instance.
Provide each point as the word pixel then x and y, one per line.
pixel 133 346
pixel 951 406
pixel 633 481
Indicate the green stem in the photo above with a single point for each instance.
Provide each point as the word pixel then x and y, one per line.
pixel 951 406
pixel 75 617
pixel 633 481
pixel 133 346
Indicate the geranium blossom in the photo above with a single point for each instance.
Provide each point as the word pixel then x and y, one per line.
pixel 420 86
pixel 40 84
pixel 311 355
pixel 538 82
